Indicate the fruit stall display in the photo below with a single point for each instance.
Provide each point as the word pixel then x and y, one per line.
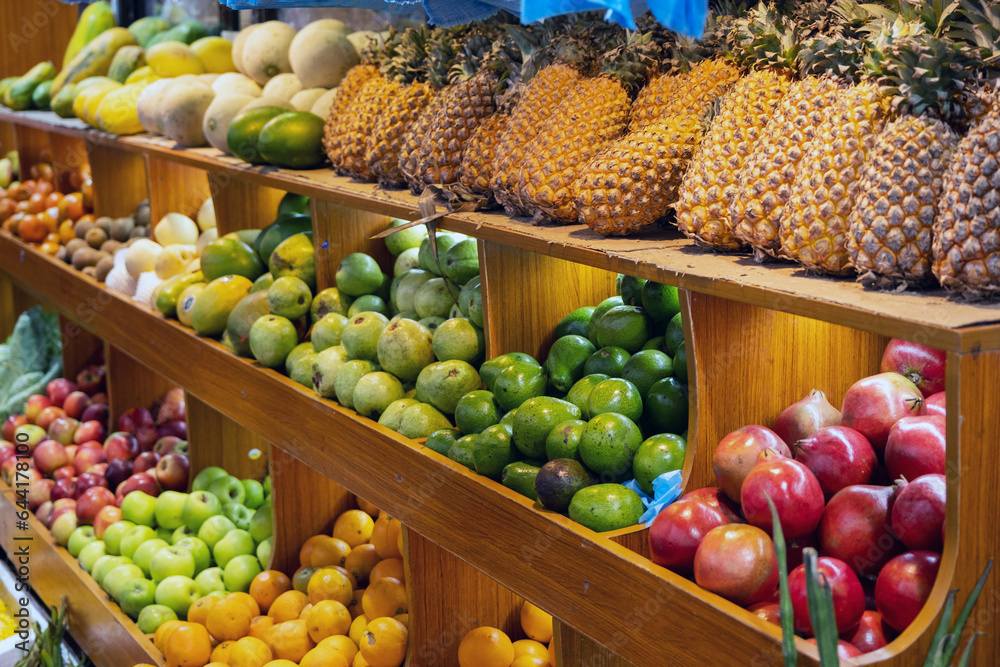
pixel 757 337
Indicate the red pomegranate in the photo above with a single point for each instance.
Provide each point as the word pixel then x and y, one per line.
pixel 916 447
pixel 870 634
pixel 677 531
pixel 791 485
pixel 935 404
pixel 904 585
pixel 923 366
pixel 838 456
pixel 857 527
pixel 803 418
pixel 918 513
pixel 844 649
pixel 714 496
pixel 737 562
pixel 737 453
pixel 848 596
pixel 769 611
pixel 873 404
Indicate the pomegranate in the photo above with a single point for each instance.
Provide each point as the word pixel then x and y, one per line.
pixel 803 418
pixel 873 404
pixel 769 611
pixel 838 456
pixel 904 585
pixel 737 562
pixel 870 634
pixel 844 649
pixel 848 596
pixel 916 447
pixel 935 404
pixel 737 453
pixel 793 488
pixel 923 366
pixel 918 513
pixel 677 531
pixel 714 496
pixel 856 527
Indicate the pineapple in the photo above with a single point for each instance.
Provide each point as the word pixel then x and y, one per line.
pixel 590 117
pixel 688 93
pixel 891 226
pixel 476 170
pixel 632 184
pixel 334 132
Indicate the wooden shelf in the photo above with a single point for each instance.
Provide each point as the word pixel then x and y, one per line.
pixel 932 317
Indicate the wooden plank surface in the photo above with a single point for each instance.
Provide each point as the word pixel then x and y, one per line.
pixel 119 180
pixel 34 32
pixel 215 439
pixel 131 384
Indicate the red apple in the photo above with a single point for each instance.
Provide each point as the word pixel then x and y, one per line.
pixel 177 429
pixel 7 450
pixel 99 468
pixel 44 513
pixel 118 471
pixel 49 415
pixel 140 481
pixel 106 516
pixel 62 429
pixel 34 405
pixel 96 412
pixel 91 502
pixel 10 425
pixel 172 472
pixel 61 506
pixel 39 491
pixel 76 403
pixel 71 452
pixel 64 472
pixel 147 435
pixel 100 397
pixel 49 455
pixel 90 430
pixel 87 455
pixel 8 469
pixel 174 406
pixel 91 379
pixel 57 390
pixel 166 444
pixel 88 480
pixel 121 445
pixel 145 462
pixel 64 488
pixel 923 366
pixel 132 419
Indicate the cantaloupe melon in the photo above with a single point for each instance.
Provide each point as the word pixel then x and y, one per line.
pixel 269 102
pixel 305 99
pixel 283 86
pixel 235 83
pixel 321 55
pixel 182 109
pixel 240 39
pixel 265 51
pixel 147 103
pixel 219 115
pixel 321 107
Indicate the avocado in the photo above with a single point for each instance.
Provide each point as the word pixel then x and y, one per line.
pixel 229 256
pixel 442 440
pixel 211 311
pixel 520 476
pixel 247 311
pixel 563 441
pixel 604 507
pixel 517 383
pixel 535 418
pixel 279 230
pixel 558 481
pixel 566 361
pixel 462 451
pixel 492 367
pixel 494 450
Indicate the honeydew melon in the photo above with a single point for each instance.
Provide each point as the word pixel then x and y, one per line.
pixel 235 83
pixel 265 51
pixel 241 38
pixel 219 115
pixel 147 102
pixel 305 99
pixel 283 86
pixel 182 109
pixel 321 55
pixel 321 107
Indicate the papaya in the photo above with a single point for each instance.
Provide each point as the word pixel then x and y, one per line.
pixel 117 112
pixel 42 97
pixel 18 94
pixel 186 32
pixel 95 58
pixel 279 230
pixel 127 60
pixel 5 84
pixel 94 20
pixel 146 28
pixel 62 104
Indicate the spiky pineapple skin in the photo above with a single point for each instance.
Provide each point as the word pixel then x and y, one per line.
pixel 892 224
pixel 414 139
pixel 967 229
pixel 336 122
pixel 476 170
pixel 814 223
pixel 359 120
pixel 632 184
pixel 539 100
pixel 386 141
pixel 766 178
pixel 593 115
pixel 689 93
pixel 709 186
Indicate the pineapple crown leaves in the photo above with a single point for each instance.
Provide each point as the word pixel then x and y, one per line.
pixel 410 63
pixel 927 74
pixel 766 38
pixel 632 62
pixel 883 33
pixel 440 55
pixel 476 45
pixel 841 57
pixel 978 25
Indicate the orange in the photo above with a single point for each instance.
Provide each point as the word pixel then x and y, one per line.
pixel 536 623
pixel 287 606
pixel 324 656
pixel 300 580
pixel 368 508
pixel 188 646
pixel 305 611
pixel 249 652
pixel 198 612
pixel 268 585
pixel 354 527
pixel 67 232
pixel 281 663
pixel 221 652
pixel 350 577
pixel 305 553
pixel 485 647
pixel 229 619
pixel 329 551
pixel 355 607
pixel 403 618
pixel 326 619
pixel 343 644
pixel 361 560
pixel 552 653
pixel 163 633
pixel 359 661
pixel 358 627
pixel 248 600
pixel 530 647
pixel 217 664
pixel 385 597
pixel 289 640
pixel 384 643
pixel 399 542
pixel 530 661
pixel 259 625
pixel 390 567
pixel 384 536
pixel 330 584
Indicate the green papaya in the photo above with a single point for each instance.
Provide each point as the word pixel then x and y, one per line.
pixel 146 28
pixel 42 97
pixel 18 95
pixel 127 60
pixel 187 32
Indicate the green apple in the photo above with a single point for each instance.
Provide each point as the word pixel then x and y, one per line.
pixel 264 551
pixel 199 550
pixel 90 553
pixel 116 579
pixel 171 561
pixel 181 533
pixel 113 536
pixel 227 489
pixel 205 478
pixel 254 493
pixel 143 556
pixel 238 514
pixel 214 529
pixel 79 538
pixel 140 508
pixel 236 543
pixel 105 564
pixel 169 506
pixel 136 595
pixel 210 580
pixel 240 571
pixel 134 538
pixel 267 486
pixel 153 616
pixel 164 533
pixel 198 506
pixel 262 523
pixel 177 592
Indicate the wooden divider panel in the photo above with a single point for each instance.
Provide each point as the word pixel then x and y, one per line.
pixel 34 32
pixel 80 348
pixel 240 204
pixel 7 138
pixel 216 440
pixel 339 230
pixel 32 148
pixel 68 155
pixel 13 302
pixel 131 384
pixel 175 188
pixel 120 182
pixel 573 649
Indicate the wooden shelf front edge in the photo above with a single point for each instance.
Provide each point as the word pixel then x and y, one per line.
pixel 931 318
pixel 440 499
pixel 102 630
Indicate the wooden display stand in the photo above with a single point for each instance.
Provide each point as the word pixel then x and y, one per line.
pixel 758 338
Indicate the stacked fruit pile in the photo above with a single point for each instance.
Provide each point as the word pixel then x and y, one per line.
pixel 865 485
pixel 34 209
pixel 491 646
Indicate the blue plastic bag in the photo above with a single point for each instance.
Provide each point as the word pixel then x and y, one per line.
pixel 666 489
pixel 686 17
